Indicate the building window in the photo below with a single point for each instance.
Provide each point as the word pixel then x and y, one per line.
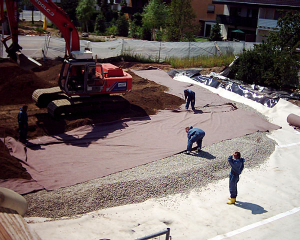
pixel 267 13
pixel 235 12
pixel 279 14
pixel 210 8
pixel 252 13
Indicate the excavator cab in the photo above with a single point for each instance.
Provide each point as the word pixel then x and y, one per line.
pixel 81 77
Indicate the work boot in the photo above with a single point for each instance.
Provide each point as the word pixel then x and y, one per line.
pixel 231 201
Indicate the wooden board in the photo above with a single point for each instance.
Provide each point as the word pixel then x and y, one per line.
pixel 14 227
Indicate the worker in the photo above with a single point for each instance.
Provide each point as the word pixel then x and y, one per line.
pixel 189 96
pixel 237 166
pixel 194 135
pixel 23 124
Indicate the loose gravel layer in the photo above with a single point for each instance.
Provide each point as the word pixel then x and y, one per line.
pixel 179 173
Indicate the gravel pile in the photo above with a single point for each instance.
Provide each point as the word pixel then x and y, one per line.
pixel 179 173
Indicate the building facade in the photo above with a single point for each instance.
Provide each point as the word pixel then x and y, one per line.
pixel 206 13
pixel 252 20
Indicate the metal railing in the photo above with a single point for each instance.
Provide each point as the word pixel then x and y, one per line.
pixel 167 232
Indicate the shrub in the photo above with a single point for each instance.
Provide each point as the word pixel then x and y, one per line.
pixel 40 30
pixel 122 26
pixel 112 30
pixel 136 29
pixel 215 34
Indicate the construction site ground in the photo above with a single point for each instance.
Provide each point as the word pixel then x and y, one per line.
pixel 17 86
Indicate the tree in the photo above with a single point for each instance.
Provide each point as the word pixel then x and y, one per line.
pixel 106 10
pixel 122 26
pixel 84 11
pixel 31 7
pixel 288 36
pixel 154 16
pixel 275 62
pixel 69 6
pixel 180 22
pixel 136 24
pixel 215 34
pixel 100 26
pixel 123 3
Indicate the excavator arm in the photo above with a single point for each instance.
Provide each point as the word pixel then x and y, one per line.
pixel 54 13
pixel 12 15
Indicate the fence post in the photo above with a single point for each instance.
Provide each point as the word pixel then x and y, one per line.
pixel 189 50
pixel 159 51
pixel 1 45
pixel 122 49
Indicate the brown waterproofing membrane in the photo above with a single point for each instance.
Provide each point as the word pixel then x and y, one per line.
pixel 94 151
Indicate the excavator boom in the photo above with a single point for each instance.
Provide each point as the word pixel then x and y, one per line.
pixel 54 13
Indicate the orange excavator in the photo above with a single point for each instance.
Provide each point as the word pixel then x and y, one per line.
pixel 83 85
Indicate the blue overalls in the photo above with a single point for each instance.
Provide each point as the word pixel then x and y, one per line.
pixel 237 166
pixel 23 125
pixel 195 135
pixel 190 96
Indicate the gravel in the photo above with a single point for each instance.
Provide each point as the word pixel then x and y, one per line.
pixel 179 173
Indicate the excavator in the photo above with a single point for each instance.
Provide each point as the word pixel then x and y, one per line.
pixel 84 85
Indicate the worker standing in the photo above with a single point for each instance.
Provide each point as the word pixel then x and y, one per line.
pixel 23 124
pixel 194 135
pixel 189 96
pixel 237 166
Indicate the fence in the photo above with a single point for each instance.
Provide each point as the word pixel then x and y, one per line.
pixel 55 47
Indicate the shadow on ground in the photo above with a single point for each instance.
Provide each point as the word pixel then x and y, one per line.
pixel 256 209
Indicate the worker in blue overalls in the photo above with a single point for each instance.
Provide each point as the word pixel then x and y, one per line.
pixel 189 96
pixel 194 135
pixel 237 166
pixel 23 124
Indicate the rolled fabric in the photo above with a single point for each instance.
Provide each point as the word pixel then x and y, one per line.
pixel 294 120
pixel 11 199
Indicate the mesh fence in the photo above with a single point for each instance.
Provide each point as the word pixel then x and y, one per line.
pixel 34 46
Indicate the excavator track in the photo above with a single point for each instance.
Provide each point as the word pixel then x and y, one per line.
pixel 59 104
pixel 43 97
pixel 81 105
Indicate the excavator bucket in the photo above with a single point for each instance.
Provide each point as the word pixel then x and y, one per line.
pixel 15 54
pixel 14 49
pixel 26 63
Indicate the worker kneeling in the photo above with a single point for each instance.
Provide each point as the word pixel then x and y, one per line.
pixel 194 135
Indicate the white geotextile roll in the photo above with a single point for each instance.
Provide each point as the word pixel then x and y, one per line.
pixel 13 200
pixel 294 120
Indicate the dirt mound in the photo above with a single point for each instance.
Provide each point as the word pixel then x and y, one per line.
pixel 10 167
pixel 17 86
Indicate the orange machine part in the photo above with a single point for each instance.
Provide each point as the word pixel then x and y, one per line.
pixel 115 78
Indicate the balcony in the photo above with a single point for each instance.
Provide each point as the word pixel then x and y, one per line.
pixel 237 21
pixel 267 24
